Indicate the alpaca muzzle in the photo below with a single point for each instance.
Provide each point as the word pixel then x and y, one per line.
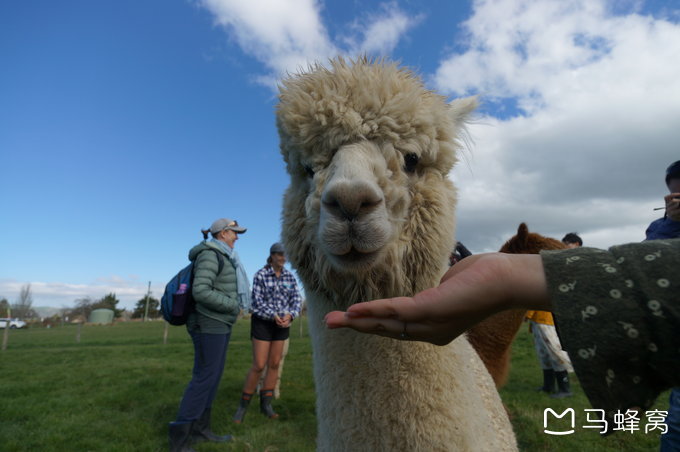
pixel 354 223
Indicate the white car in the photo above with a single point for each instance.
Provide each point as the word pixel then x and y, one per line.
pixel 13 323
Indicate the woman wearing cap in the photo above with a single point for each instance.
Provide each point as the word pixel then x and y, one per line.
pixel 220 288
pixel 276 302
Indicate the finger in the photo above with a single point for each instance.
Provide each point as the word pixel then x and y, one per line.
pixel 387 327
pixel 335 319
pixel 396 329
pixel 461 266
pixel 672 198
pixel 401 308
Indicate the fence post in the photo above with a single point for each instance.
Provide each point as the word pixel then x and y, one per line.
pixel 5 336
pixel 165 334
pixel 80 325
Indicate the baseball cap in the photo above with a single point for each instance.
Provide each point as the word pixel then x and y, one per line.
pixel 226 223
pixel 276 248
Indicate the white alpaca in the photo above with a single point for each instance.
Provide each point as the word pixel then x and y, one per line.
pixel 369 214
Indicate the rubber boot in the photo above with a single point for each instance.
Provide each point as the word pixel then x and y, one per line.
pixel 266 396
pixel 201 430
pixel 179 434
pixel 548 381
pixel 564 389
pixel 242 407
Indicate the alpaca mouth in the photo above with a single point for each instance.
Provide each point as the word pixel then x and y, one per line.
pixel 355 258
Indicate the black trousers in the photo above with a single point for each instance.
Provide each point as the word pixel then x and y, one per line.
pixel 210 355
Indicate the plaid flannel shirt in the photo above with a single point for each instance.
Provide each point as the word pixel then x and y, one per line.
pixel 272 295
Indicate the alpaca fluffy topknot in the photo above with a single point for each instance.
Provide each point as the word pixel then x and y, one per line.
pixel 324 108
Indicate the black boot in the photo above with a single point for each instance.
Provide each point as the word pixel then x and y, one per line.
pixel 266 396
pixel 548 381
pixel 242 407
pixel 564 390
pixel 180 436
pixel 201 430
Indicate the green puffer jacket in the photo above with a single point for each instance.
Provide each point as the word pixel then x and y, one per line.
pixel 216 296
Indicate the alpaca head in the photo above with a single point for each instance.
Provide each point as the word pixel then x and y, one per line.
pixel 525 242
pixel 369 209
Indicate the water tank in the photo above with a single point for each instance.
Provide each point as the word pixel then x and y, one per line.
pixel 101 316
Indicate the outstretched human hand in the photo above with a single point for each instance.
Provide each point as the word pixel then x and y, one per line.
pixel 473 289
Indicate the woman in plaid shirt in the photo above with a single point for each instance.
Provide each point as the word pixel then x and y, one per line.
pixel 276 302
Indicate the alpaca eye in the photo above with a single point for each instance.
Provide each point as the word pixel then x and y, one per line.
pixel 308 169
pixel 410 162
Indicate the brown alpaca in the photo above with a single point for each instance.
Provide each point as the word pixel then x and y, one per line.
pixel 493 337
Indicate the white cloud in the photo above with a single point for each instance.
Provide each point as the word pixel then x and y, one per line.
pixel 58 294
pixel 281 35
pixel 600 101
pixel 287 36
pixel 538 51
pixel 380 33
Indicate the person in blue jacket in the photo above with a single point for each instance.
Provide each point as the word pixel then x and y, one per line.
pixel 668 227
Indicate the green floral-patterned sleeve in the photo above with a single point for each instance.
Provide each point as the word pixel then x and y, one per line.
pixel 618 316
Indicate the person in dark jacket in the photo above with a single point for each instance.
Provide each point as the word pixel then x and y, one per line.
pixel 668 227
pixel 219 296
pixel 617 313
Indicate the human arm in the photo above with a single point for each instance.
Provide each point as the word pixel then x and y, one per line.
pixel 295 300
pixel 258 292
pixel 617 312
pixel 618 316
pixel 473 289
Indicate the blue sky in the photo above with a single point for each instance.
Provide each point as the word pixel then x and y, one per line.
pixel 126 127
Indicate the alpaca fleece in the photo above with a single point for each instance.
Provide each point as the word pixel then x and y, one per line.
pixel 369 213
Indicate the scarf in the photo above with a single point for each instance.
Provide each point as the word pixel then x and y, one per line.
pixel 242 285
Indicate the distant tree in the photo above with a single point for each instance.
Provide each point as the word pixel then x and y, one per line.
pixel 23 307
pixel 82 308
pixel 4 307
pixel 140 307
pixel 108 301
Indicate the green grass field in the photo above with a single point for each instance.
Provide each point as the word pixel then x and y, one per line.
pixel 118 388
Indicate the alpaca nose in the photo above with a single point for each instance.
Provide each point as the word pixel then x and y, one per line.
pixel 349 200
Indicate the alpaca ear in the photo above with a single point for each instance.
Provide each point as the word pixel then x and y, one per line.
pixel 523 233
pixel 460 109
